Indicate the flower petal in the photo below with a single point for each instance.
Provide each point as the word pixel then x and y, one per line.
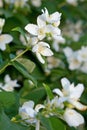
pixel 46 52
pixel 7 78
pixel 58 92
pixel 65 83
pixel 40 58
pixel 68 52
pixel 73 118
pixel 38 107
pixel 5 38
pixel 40 21
pixel 28 104
pixel 78 105
pixel 55 17
pixel 77 91
pixel 32 29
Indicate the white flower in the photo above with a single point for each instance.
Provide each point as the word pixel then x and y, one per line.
pixel 30 40
pixel 71 94
pixel 9 84
pixel 73 118
pixel 83 68
pixel 53 62
pixel 56 41
pixel 72 58
pixel 1 3
pixel 42 48
pixel 55 102
pixel 82 54
pixel 20 3
pixel 42 29
pixel 36 30
pixel 72 2
pixel 53 19
pixel 73 30
pixel 2 22
pixel 52 32
pixel 10 1
pixel 17 3
pixel 36 3
pixel 5 39
pixel 28 113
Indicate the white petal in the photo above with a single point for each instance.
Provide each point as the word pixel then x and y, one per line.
pixel 38 107
pixel 79 106
pixel 55 17
pixel 41 36
pixel 65 83
pixel 35 48
pixel 58 92
pixel 59 39
pixel 32 29
pixel 40 22
pixel 68 52
pixel 2 47
pixel 44 44
pixel 28 104
pixel 46 52
pixel 56 31
pixel 56 46
pixel 40 58
pixel 73 118
pixel 7 78
pixel 36 3
pixel 53 30
pixel 5 39
pixel 77 91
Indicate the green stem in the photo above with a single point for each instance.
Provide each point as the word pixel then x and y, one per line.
pixel 14 59
pixel 20 54
pixel 1 70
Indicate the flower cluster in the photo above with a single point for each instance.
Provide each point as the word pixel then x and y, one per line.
pixel 73 30
pixel 4 38
pixel 47 27
pixel 77 59
pixel 9 84
pixel 66 100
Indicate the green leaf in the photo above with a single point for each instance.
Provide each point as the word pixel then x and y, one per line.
pixel 7 13
pixel 28 64
pixel 6 124
pixel 52 123
pixel 36 95
pixel 18 29
pixel 23 71
pixel 49 92
pixel 9 101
